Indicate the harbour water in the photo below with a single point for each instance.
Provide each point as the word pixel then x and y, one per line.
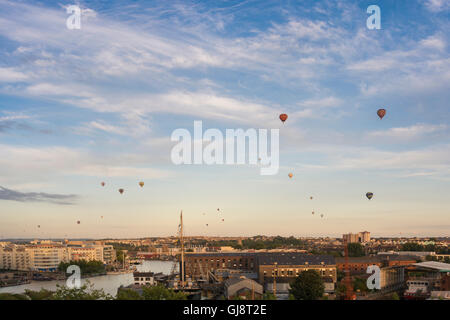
pixel 109 283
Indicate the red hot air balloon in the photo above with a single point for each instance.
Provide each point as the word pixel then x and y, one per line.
pixel 103 184
pixel 381 113
pixel 121 191
pixel 283 117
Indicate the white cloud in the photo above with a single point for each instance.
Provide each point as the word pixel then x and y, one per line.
pixel 412 132
pixel 437 5
pixel 12 75
pixel 19 164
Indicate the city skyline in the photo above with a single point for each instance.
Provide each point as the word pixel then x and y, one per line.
pixel 99 104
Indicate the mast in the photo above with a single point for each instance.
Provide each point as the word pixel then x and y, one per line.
pixel 347 279
pixel 275 280
pixel 182 249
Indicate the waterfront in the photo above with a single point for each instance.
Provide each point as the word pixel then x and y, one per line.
pixel 109 283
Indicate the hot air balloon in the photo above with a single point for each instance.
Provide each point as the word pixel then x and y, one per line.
pixel 223 219
pixel 311 197
pixel 313 212
pixel 283 117
pixel 78 222
pixel 218 209
pixel 381 113
pixel 206 224
pixel 103 184
pixel 321 215
pixel 369 195
pixel 290 175
pixel 39 225
pixel 121 191
pixel 141 184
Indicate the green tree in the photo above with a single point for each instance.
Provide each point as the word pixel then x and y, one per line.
pixel 13 296
pixel 43 294
pixel 128 294
pixel 360 284
pixel 307 286
pixel 86 267
pixel 85 292
pixel 159 292
pixel 355 250
pixel 269 296
pixel 411 246
pixel 395 296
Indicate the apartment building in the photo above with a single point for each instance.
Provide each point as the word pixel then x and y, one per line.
pixel 46 256
pixel 360 237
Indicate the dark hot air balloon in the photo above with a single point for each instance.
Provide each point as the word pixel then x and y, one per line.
pixel 103 184
pixel 121 191
pixel 283 117
pixel 381 113
pixel 369 195
pixel 78 222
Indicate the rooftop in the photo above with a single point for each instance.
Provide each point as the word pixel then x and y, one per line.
pixel 439 266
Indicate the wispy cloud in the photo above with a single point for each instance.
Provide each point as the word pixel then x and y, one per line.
pixel 61 199
pixel 437 5
pixel 407 133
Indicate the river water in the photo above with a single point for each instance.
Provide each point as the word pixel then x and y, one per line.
pixel 109 283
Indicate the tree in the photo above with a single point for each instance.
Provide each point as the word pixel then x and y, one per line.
pixel 85 292
pixel 411 246
pixel 128 294
pixel 359 284
pixel 43 294
pixel 269 296
pixel 395 296
pixel 159 292
pixel 307 286
pixel 355 250
pixel 86 267
pixel 12 296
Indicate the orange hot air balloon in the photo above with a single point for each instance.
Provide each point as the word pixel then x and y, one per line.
pixel 290 175
pixel 283 117
pixel 141 184
pixel 103 184
pixel 121 191
pixel 381 113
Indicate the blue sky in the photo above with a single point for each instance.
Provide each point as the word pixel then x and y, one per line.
pixel 78 107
